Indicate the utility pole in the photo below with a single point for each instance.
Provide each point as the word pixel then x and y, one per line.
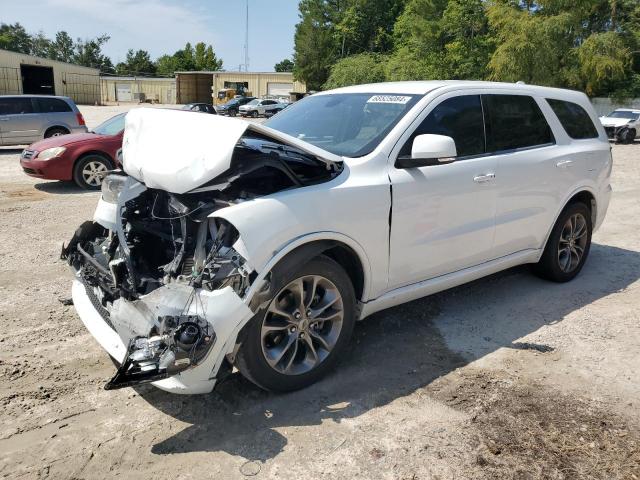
pixel 246 40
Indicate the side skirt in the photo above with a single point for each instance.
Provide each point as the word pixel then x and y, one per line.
pixel 450 280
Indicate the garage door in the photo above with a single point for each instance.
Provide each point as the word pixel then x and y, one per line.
pixel 279 89
pixel 123 92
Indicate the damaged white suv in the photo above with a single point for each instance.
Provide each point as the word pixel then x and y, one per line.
pixel 226 243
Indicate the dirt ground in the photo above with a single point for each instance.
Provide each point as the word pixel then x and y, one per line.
pixel 507 377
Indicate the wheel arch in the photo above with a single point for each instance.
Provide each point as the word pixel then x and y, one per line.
pixel 81 155
pixel 55 127
pixel 342 249
pixel 583 194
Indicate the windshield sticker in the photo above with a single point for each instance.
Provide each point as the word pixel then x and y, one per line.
pixel 401 99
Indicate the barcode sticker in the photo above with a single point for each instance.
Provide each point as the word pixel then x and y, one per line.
pixel 401 99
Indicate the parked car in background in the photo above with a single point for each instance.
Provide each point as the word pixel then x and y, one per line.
pixel 346 203
pixel 258 107
pixel 200 107
pixel 622 125
pixel 25 119
pixel 232 107
pixel 81 157
pixel 278 108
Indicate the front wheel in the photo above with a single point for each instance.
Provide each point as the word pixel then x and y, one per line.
pixel 568 245
pixel 303 331
pixel 90 170
pixel 254 114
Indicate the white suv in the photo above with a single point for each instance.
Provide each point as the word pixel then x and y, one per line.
pixel 227 243
pixel 622 125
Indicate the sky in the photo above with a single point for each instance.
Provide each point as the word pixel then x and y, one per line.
pixel 164 26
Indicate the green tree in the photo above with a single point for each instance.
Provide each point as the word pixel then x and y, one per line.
pixel 136 63
pixel 62 47
pixel 15 38
pixel 166 65
pixel 89 54
pixel 40 45
pixel 205 58
pixel 285 65
pixel 355 70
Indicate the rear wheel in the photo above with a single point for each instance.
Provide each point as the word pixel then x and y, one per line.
pixel 568 245
pixel 90 170
pixel 55 132
pixel 300 336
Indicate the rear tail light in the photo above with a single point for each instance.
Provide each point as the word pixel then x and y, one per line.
pixel 80 119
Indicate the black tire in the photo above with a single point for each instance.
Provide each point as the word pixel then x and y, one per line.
pixel 254 114
pixel 251 360
pixel 85 163
pixel 55 132
pixel 232 113
pixel 551 263
pixel 631 135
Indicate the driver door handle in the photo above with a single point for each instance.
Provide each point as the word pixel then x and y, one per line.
pixel 565 164
pixel 488 177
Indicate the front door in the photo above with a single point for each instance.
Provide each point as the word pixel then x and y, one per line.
pixel 443 216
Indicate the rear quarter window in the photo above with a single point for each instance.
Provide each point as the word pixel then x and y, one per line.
pixel 574 119
pixel 514 121
pixel 52 105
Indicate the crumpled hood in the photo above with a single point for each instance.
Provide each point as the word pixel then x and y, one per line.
pixel 614 121
pixel 178 151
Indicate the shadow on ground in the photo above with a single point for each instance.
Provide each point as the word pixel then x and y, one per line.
pixel 392 354
pixel 61 188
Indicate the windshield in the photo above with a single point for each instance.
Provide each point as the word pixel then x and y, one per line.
pixel 254 102
pixel 347 124
pixel 231 102
pixel 112 126
pixel 624 114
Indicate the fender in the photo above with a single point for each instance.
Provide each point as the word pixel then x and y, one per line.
pixel 316 242
pixel 565 202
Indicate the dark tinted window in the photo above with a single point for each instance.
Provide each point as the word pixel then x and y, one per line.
pixel 52 105
pixel 574 119
pixel 459 118
pixel 514 121
pixel 15 105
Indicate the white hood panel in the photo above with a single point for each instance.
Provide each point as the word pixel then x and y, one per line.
pixel 178 151
pixel 613 121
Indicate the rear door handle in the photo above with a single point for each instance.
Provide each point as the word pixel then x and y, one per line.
pixel 565 164
pixel 484 178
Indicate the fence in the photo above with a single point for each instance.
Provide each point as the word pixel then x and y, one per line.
pixel 604 106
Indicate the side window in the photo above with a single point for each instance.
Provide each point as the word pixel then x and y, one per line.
pixel 52 105
pixel 574 119
pixel 459 118
pixel 15 105
pixel 514 121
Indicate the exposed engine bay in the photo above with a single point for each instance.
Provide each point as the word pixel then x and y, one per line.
pixel 160 239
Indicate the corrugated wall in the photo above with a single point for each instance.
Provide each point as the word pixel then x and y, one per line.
pixel 194 87
pixel 82 84
pixel 159 90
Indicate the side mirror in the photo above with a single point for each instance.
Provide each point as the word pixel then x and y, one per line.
pixel 429 149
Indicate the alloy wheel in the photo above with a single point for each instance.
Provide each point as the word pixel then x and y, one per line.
pixel 93 172
pixel 302 325
pixel 572 244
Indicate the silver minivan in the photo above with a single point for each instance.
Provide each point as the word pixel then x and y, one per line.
pixel 25 119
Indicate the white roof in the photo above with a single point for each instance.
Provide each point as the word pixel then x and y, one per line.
pixel 423 87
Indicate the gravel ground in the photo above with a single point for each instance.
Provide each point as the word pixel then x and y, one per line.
pixel 507 377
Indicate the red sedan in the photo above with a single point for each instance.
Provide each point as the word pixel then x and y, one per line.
pixel 81 157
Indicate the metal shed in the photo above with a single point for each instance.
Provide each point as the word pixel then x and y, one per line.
pixel 199 86
pixel 138 89
pixel 24 74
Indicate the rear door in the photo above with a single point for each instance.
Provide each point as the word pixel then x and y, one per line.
pixel 531 179
pixel 57 112
pixel 19 122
